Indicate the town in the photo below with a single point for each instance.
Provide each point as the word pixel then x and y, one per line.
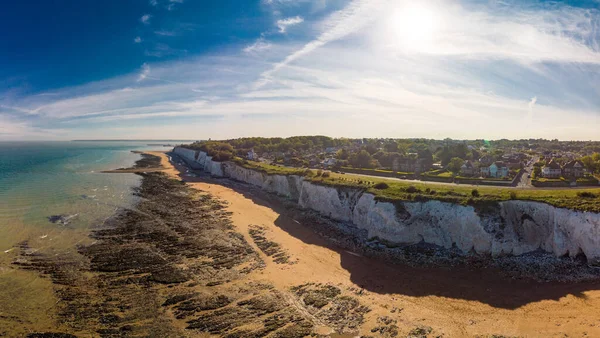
pixel 518 163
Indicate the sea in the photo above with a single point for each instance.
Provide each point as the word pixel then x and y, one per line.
pixel 52 194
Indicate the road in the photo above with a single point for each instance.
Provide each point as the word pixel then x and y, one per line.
pixel 525 181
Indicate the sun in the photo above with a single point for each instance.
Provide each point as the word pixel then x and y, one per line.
pixel 415 26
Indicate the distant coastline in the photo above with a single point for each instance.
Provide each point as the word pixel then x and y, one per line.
pixel 133 140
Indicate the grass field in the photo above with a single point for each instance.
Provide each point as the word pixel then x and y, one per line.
pixel 415 191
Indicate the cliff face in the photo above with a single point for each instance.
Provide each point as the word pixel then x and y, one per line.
pixel 200 160
pixel 507 228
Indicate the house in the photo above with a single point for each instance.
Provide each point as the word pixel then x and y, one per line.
pixel 574 169
pixel 404 164
pixel 329 162
pixel 551 170
pixel 252 156
pixel 411 164
pixel 497 169
pixel 467 169
pixel 513 164
pixel 484 171
pixel 486 160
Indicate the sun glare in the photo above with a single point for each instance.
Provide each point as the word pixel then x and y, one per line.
pixel 415 26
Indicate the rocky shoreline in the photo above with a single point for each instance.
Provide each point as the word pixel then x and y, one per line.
pixel 174 266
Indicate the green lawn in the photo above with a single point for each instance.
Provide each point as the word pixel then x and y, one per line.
pixel 269 168
pixel 403 191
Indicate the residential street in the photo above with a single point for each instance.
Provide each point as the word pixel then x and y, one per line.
pixel 525 181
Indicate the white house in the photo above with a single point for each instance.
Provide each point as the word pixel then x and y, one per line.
pixel 552 170
pixel 497 170
pixel 252 156
pixel 329 162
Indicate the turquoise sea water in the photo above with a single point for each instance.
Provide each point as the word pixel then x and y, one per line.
pixel 39 180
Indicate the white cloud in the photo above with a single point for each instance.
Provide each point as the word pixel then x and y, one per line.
pixel 532 102
pixel 16 129
pixel 172 4
pixel 554 33
pixel 145 19
pixel 165 33
pixel 258 46
pixel 160 50
pixel 153 3
pixel 283 24
pixel 137 39
pixel 338 25
pixel 145 72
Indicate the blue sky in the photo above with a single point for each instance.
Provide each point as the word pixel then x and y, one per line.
pixel 356 68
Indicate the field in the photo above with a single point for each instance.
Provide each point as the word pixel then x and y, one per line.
pixel 576 199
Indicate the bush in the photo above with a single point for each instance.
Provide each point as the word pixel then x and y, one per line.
pixel 381 186
pixel 326 173
pixel 412 189
pixel 475 193
pixel 319 172
pixel 307 172
pixel 513 195
pixel 586 194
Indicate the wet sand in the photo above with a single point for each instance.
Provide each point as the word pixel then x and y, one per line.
pixel 453 302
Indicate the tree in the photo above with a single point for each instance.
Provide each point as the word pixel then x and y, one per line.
pixel 589 163
pixel 537 171
pixel 455 164
pixel 391 146
pixel 342 154
pixel 362 160
pixel 371 148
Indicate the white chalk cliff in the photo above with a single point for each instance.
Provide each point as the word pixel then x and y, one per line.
pixel 510 228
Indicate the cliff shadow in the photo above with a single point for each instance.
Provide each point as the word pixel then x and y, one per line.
pixel 485 285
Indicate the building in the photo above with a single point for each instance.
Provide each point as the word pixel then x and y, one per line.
pixel 411 164
pixel 486 160
pixel 467 169
pixel 329 162
pixel 252 156
pixel 497 169
pixel 551 170
pixel 513 164
pixel 573 169
pixel 484 171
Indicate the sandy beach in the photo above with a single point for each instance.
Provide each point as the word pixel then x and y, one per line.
pixel 452 302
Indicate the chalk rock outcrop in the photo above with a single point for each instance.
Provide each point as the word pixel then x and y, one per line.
pixel 506 228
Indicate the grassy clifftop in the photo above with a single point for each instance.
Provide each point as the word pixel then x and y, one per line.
pixel 395 190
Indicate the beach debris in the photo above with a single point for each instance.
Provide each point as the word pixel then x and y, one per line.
pixel 43 236
pixel 61 219
pixel 9 250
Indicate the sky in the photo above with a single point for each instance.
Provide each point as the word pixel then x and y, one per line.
pixel 199 69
